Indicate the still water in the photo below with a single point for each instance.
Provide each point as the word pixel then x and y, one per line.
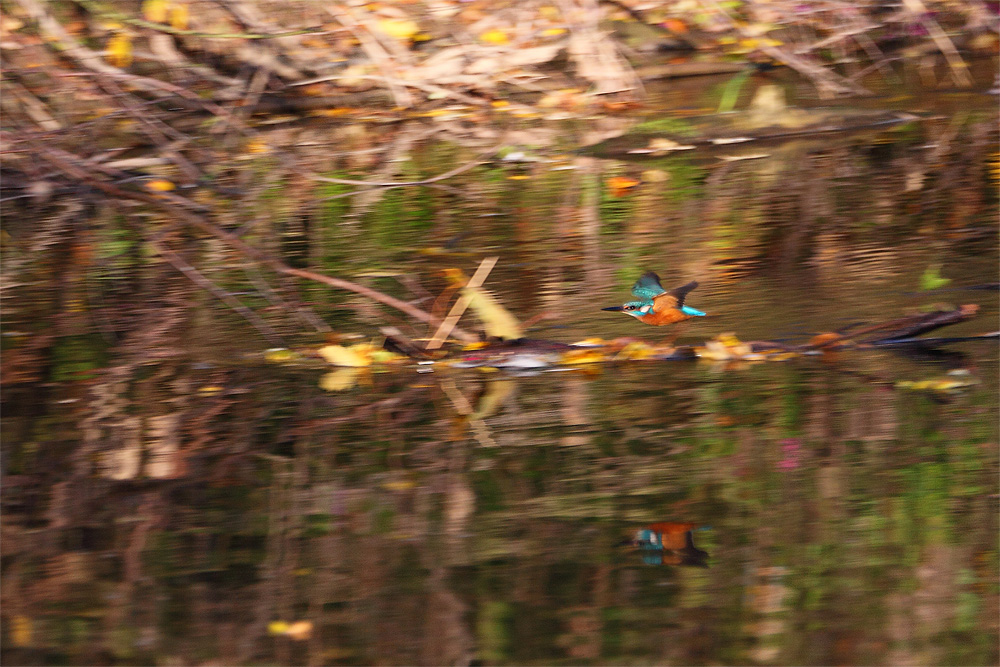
pixel 171 498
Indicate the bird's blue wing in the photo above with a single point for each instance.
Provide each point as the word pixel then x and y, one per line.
pixel 648 286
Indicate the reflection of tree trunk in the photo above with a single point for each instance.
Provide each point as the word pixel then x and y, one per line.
pixel 575 410
pixel 120 615
pixel 595 275
pixel 447 638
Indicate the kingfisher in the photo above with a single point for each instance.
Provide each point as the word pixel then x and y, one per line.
pixel 656 305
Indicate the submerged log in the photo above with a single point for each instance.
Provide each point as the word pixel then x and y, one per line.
pixel 903 330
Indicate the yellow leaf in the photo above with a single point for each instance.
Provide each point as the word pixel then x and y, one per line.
pixel 300 630
pixel 380 356
pixel 209 389
pixel 499 104
pixel 277 627
pixel 635 351
pixel 155 10
pixel 256 146
pixel 160 185
pixel 341 379
pixel 494 36
pixel 20 630
pixel 338 355
pixel 399 485
pixel 552 32
pixel 586 356
pixel 398 28
pixel 278 355
pixel 497 320
pixel 334 112
pixel 590 342
pixel 179 16
pixel 120 50
pixel 518 177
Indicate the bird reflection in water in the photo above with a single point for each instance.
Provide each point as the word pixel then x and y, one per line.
pixel 669 543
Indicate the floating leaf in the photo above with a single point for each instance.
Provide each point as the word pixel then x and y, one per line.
pixel 590 342
pixel 120 50
pixel 20 630
pixel 399 485
pixel 952 382
pixel 621 185
pixel 727 347
pixel 350 357
pixel 280 355
pixel 160 185
pixel 675 26
pixel 932 279
pixel 298 631
pixel 256 146
pixel 585 356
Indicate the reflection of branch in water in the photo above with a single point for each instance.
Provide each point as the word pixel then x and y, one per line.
pixel 178 207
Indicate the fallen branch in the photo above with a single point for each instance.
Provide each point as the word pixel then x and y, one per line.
pixel 419 85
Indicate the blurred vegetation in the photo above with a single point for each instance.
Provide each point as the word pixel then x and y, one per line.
pixel 170 498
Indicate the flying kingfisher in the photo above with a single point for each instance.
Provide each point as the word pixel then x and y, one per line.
pixel 656 305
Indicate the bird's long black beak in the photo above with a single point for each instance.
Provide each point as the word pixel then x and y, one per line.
pixel 612 308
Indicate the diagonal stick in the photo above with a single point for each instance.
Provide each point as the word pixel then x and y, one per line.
pixel 478 278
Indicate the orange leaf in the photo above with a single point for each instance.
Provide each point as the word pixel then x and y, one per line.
pixel 160 185
pixel 675 26
pixel 621 185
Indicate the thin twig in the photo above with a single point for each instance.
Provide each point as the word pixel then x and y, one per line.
pixel 398 184
pixel 456 312
pixel 419 85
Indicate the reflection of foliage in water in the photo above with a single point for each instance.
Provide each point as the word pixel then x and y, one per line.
pixel 850 522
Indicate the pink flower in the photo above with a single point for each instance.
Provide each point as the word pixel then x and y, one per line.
pixel 790 449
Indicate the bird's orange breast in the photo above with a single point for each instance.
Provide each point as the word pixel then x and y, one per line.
pixel 668 316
